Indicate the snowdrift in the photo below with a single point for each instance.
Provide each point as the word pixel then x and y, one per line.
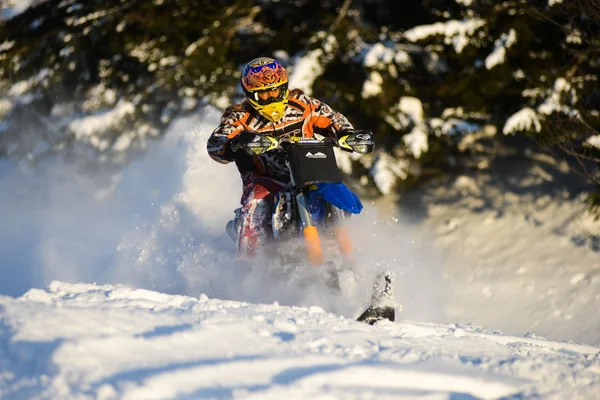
pixel 106 342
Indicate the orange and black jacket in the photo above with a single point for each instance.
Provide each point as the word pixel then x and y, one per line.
pixel 304 116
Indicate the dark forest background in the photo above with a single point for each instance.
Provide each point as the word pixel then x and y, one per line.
pixel 444 84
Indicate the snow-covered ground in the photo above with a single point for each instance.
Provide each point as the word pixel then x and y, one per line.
pixel 473 257
pixel 107 342
pixel 520 252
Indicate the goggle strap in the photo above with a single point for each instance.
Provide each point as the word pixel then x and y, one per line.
pixel 258 68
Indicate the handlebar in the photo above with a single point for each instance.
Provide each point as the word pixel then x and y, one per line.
pixel 256 144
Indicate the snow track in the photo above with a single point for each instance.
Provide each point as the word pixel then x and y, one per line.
pixel 88 341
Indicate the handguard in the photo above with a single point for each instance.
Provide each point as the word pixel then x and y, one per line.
pixel 255 144
pixel 357 141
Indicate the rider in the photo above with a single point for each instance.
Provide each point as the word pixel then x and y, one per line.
pixel 269 108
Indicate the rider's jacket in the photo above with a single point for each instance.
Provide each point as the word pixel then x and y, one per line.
pixel 304 116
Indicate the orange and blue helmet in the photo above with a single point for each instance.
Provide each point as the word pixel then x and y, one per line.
pixel 265 74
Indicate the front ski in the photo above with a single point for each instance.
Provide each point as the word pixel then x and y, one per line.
pixel 382 302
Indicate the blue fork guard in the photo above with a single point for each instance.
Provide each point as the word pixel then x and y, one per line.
pixel 339 195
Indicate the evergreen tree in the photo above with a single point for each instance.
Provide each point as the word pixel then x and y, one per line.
pixel 432 78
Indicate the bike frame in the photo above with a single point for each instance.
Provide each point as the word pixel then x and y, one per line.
pixel 313 172
pixel 309 228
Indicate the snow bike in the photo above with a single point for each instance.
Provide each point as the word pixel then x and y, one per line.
pixel 315 206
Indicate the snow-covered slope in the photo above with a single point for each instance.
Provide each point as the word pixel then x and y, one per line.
pixel 507 255
pixel 520 252
pixel 87 341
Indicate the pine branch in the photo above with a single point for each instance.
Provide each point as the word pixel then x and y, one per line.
pixel 341 15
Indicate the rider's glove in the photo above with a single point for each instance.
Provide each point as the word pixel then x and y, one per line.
pixel 356 141
pixel 239 141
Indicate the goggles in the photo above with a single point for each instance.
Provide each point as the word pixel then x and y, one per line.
pixel 271 99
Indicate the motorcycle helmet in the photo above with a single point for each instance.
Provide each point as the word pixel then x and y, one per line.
pixel 265 84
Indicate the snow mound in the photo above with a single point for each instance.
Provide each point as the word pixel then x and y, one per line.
pixel 84 340
pixel 455 32
pixel 523 120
